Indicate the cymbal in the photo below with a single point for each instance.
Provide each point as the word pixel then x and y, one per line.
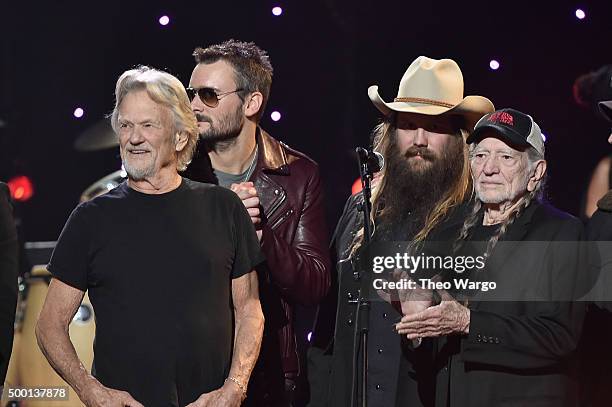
pixel 104 185
pixel 100 136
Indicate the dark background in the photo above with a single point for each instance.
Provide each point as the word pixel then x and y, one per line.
pixel 56 56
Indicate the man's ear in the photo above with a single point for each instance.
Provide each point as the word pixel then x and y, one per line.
pixel 180 140
pixel 253 104
pixel 536 177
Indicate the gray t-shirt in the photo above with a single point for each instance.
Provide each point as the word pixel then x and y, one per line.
pixel 226 179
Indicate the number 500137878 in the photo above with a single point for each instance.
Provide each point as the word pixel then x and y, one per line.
pixel 35 393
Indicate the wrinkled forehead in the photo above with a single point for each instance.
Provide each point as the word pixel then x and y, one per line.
pixel 491 142
pixel 139 103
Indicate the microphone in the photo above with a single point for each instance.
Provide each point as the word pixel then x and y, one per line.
pixel 373 159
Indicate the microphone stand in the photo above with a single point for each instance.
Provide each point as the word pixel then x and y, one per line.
pixel 361 274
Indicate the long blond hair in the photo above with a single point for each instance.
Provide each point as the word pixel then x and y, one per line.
pixel 384 136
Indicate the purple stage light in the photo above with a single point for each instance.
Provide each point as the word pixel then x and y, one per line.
pixel 164 20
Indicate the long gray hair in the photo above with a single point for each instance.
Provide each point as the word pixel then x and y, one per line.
pixel 533 156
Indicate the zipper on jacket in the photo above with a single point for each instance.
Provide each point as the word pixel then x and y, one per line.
pixel 281 219
pixel 278 203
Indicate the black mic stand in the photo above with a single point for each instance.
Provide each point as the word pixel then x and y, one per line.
pixel 361 274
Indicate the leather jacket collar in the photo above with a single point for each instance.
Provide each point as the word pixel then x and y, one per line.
pixel 272 155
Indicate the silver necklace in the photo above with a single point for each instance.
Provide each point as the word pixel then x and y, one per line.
pixel 252 165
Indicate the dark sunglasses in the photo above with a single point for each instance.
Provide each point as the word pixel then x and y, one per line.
pixel 208 96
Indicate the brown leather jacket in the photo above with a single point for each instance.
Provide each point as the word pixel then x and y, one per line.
pixel 294 241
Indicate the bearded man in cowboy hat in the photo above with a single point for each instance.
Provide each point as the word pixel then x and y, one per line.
pixel 419 196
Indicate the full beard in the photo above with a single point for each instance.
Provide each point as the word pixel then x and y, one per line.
pixel 414 188
pixel 222 136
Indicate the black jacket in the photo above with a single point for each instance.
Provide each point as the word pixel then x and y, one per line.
pixel 599 226
pixel 519 353
pixel 398 374
pixel 596 352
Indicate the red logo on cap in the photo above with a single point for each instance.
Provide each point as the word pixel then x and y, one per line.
pixel 502 117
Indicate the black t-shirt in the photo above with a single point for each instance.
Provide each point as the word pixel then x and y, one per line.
pixel 158 269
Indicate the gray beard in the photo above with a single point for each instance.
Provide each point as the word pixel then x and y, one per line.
pixel 138 174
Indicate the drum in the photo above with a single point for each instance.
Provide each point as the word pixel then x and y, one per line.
pixel 28 366
pixel 12 375
pixel 104 185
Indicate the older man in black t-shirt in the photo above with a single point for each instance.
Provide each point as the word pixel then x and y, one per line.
pixel 168 264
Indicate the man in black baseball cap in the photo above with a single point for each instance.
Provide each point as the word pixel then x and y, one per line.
pixel 507 161
pixel 520 349
pixel 516 128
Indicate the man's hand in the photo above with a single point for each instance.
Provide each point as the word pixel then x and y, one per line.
pixel 449 317
pixel 96 395
pixel 229 395
pixel 407 301
pixel 247 192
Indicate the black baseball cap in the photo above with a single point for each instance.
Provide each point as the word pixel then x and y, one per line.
pixel 510 125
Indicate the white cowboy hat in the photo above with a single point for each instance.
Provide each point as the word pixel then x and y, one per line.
pixel 433 87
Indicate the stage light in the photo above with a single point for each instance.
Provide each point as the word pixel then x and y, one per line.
pixel 164 20
pixel 277 11
pixel 356 187
pixel 544 137
pixel 494 65
pixel 276 116
pixel 309 336
pixel 580 14
pixel 21 188
pixel 78 112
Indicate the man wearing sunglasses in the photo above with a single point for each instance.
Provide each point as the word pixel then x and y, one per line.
pixel 280 188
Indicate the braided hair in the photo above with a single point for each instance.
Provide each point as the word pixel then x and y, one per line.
pixel 533 156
